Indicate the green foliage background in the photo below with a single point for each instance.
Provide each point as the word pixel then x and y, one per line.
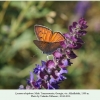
pixel 18 54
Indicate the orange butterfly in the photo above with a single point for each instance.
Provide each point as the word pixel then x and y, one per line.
pixel 47 41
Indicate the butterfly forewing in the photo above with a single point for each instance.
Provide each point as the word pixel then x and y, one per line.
pixel 43 33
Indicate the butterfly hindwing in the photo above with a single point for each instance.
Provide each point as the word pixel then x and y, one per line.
pixel 46 47
pixel 54 46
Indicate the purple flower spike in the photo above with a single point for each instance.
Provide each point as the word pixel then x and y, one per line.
pixel 71 54
pixel 81 8
pixel 21 87
pixel 50 64
pixel 51 72
pixel 56 86
pixel 71 28
pixel 42 75
pixel 83 23
pixel 50 86
pixel 81 32
pixel 46 77
pixel 38 83
pixel 37 69
pixel 28 87
pixel 63 63
pixel 43 65
pixel 66 35
pixel 63 71
pixel 61 78
pixel 79 40
pixel 31 77
pixel 44 84
pixel 52 79
pixel 57 55
pixel 63 44
pixel 75 24
pixel 75 45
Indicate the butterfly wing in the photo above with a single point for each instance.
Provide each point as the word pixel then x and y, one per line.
pixel 43 33
pixel 47 41
pixel 47 47
pixel 57 37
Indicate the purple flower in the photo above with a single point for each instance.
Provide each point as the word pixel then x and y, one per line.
pixel 50 64
pixel 57 54
pixel 43 65
pixel 50 73
pixel 52 79
pixel 31 77
pixel 61 78
pixel 37 69
pixel 63 71
pixel 70 54
pixel 28 87
pixel 81 8
pixel 82 23
pixel 21 87
pixel 50 86
pixel 38 83
pixel 63 63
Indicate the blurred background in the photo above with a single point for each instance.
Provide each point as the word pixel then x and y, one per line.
pixel 18 54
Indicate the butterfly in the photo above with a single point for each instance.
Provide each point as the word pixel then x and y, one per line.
pixel 48 41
